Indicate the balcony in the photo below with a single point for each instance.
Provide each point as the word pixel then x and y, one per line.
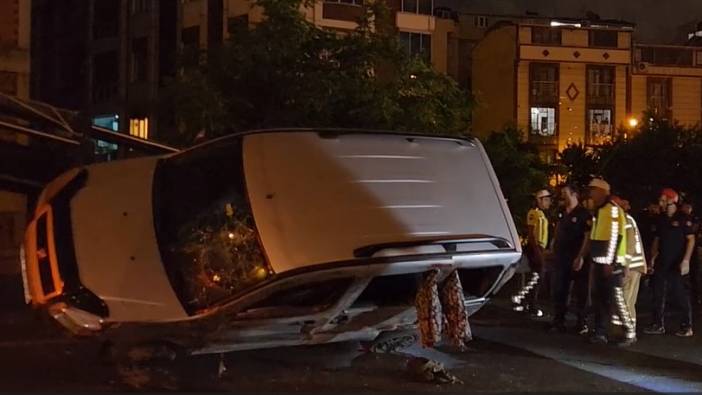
pixel 669 55
pixel 407 21
pixel 667 60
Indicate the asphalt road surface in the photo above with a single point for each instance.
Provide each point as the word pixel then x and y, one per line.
pixel 510 353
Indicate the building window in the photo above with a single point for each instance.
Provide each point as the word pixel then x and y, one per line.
pixel 543 99
pixel 545 35
pixel 424 7
pixel 105 67
pixel 8 82
pixel 698 60
pixel 417 44
pixel 137 6
pixel 350 2
pixel 665 56
pixel 139 60
pixel 604 38
pixel 190 36
pixel 237 24
pixel 139 127
pixel 600 104
pixel 660 96
pixel 104 150
pixel 106 18
pixel 543 121
pixel 480 21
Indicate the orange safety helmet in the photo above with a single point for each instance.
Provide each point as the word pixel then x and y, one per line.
pixel 670 194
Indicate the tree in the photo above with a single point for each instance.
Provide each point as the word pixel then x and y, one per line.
pixel 578 164
pixel 519 169
pixel 660 154
pixel 287 72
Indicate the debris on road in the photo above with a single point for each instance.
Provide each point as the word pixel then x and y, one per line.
pixel 426 370
pixel 222 367
pixel 388 343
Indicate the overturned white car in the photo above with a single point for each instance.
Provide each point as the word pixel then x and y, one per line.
pixel 268 238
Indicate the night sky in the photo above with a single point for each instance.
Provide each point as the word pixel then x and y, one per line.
pixel 658 21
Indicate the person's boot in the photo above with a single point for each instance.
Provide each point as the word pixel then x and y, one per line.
pixel 598 339
pixel 654 329
pixel 685 331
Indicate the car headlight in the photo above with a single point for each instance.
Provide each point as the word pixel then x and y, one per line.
pixel 79 322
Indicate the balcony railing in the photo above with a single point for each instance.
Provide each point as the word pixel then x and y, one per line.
pixel 668 55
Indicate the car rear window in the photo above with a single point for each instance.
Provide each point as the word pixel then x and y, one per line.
pixel 204 225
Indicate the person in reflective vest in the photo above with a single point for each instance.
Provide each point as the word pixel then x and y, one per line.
pixel 608 251
pixel 537 242
pixel 635 263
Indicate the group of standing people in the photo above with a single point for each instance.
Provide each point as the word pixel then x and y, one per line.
pixel 599 255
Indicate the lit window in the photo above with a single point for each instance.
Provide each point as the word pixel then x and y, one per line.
pixel 543 121
pixel 544 99
pixel 139 127
pixel 600 126
pixel 107 121
pixel 600 104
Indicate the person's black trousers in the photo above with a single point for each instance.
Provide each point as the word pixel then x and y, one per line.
pixel 603 283
pixel 668 279
pixel 562 277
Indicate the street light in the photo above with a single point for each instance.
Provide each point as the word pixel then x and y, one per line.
pixel 633 122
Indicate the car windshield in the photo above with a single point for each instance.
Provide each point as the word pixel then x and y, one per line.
pixel 205 228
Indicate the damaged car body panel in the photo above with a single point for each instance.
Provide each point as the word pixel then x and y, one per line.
pixel 279 237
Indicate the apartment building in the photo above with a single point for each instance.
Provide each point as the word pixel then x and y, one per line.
pixel 668 81
pixel 561 82
pixel 15 16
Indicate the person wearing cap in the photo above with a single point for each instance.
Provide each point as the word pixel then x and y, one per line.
pixel 672 248
pixel 537 242
pixel 607 248
pixel 635 263
pixel 571 232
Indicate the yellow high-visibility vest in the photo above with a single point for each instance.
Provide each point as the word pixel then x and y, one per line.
pixel 635 257
pixel 538 220
pixel 608 235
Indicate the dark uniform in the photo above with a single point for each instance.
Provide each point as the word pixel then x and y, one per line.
pixel 672 235
pixel 571 230
pixel 695 262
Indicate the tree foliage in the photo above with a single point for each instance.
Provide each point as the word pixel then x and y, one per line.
pixel 287 72
pixel 659 154
pixel 519 169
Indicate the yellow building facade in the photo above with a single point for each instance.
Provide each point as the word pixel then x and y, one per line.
pixel 15 22
pixel 668 81
pixel 564 83
pixel 559 84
